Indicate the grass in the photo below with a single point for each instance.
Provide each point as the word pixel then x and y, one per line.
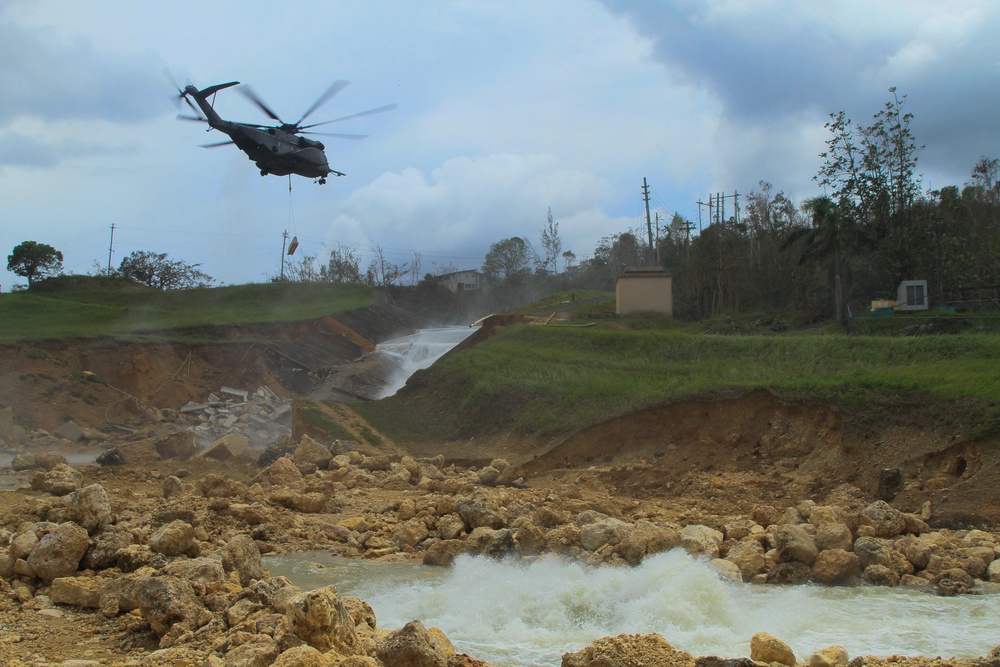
pixel 552 381
pixel 87 312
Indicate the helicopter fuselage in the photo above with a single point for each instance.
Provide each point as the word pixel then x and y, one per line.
pixel 274 150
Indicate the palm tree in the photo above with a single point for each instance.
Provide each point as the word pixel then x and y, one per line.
pixel 822 240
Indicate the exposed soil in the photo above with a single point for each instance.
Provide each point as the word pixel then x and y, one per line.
pixel 693 460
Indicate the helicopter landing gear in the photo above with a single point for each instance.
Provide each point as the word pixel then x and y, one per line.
pixel 263 172
pixel 322 181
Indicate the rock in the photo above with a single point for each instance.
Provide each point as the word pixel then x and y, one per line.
pixel 164 601
pixel 283 472
pixel 173 487
pixel 216 486
pixel 727 569
pixel 205 575
pixel 530 538
pixel 832 656
pixel 111 457
pixel 737 530
pixel 301 656
pixel 488 476
pixel 59 481
pixel 767 648
pixel 880 575
pixel 242 555
pixel 377 463
pixel 226 448
pixel 135 556
pixel 748 556
pixel 179 445
pixel 952 582
pixel 172 539
pixel 445 552
pixel 58 553
pixel 480 512
pixel 644 538
pixel 320 619
pixel 793 543
pixel 414 646
pixel 993 572
pixel 697 539
pixel 890 483
pixel 307 503
pixel 409 534
pixel 789 572
pixel 89 507
pixel 834 535
pixel 885 520
pixel 485 541
pixel 69 431
pixel 310 451
pixel 547 517
pixel 41 460
pixel 260 651
pixel 875 551
pixel 595 535
pixel 103 551
pixel 836 566
pixel 77 591
pixel 628 651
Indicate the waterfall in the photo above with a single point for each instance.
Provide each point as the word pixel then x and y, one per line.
pixel 412 353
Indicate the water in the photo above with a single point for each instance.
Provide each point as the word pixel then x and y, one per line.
pixel 516 615
pixel 417 351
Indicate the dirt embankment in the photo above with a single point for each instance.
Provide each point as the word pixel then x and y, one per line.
pixel 723 455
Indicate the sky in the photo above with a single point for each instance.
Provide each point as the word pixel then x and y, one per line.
pixel 505 110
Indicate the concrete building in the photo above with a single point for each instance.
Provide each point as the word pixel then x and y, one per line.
pixel 644 290
pixel 912 295
pixel 461 281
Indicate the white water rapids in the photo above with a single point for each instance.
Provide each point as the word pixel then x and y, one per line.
pixel 515 615
pixel 417 351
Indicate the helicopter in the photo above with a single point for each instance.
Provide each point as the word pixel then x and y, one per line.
pixel 280 150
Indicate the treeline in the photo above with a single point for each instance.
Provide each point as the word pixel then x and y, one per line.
pixel 875 227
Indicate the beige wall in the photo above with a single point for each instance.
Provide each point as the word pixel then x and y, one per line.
pixel 638 291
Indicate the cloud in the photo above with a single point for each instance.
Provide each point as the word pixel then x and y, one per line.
pixel 466 203
pixel 44 78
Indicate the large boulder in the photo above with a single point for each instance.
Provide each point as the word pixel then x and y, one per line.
pixel 884 519
pixel 103 551
pixel 836 566
pixel 485 541
pixel 644 539
pixel 748 556
pixel 628 651
pixel 701 540
pixel 205 575
pixel 793 543
pixel 89 507
pixel 480 512
pixel 61 480
pixel 445 552
pixel 58 553
pixel 242 555
pixel 767 648
pixel 608 531
pixel 321 619
pixel 164 601
pixel 834 535
pixel 173 539
pixel 875 551
pixel 413 645
pixel 310 451
pixel 226 448
pixel 179 445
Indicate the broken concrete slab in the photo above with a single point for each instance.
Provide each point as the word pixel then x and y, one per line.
pixel 69 431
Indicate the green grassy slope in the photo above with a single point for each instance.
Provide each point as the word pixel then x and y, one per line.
pixel 86 312
pixel 555 380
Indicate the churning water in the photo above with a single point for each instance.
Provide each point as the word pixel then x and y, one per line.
pixel 515 614
pixel 417 351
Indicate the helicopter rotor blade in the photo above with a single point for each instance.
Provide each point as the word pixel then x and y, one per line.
pixel 197 119
pixel 217 144
pixel 252 96
pixel 353 137
pixel 334 88
pixel 362 114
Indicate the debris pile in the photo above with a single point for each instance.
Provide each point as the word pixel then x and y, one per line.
pixel 261 416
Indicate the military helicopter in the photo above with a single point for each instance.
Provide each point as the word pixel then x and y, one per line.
pixel 280 149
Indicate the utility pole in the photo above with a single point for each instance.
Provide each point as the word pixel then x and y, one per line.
pixel 649 226
pixel 111 247
pixel 284 239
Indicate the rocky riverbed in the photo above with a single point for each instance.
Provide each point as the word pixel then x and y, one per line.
pixel 154 558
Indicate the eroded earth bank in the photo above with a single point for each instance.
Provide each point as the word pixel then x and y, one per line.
pixel 153 556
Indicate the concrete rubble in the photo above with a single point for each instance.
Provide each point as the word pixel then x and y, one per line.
pixel 262 416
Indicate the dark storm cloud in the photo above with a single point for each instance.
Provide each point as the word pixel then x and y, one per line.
pixel 766 62
pixel 44 79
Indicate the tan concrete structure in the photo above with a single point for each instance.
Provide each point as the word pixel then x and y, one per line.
pixel 644 290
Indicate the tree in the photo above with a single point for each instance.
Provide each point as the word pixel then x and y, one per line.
pixel 506 267
pixel 31 260
pixel 344 266
pixel 823 240
pixel 382 273
pixel 551 244
pixel 155 270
